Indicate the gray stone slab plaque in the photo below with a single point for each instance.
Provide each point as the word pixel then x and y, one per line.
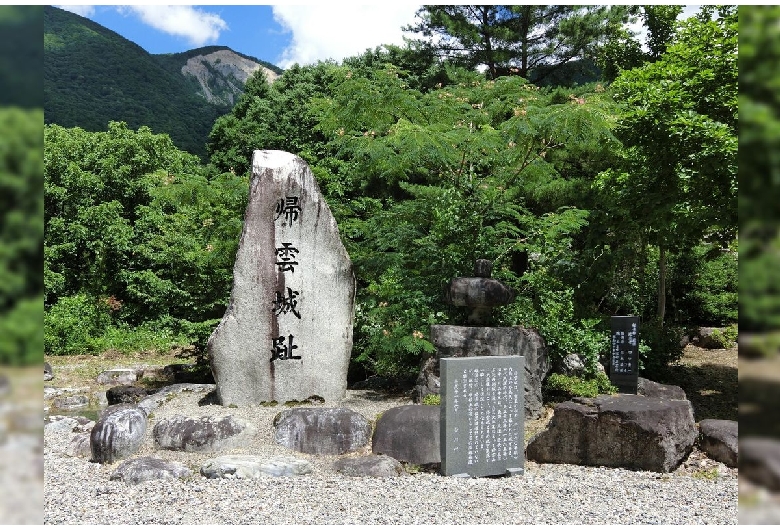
pixel 482 416
pixel 624 354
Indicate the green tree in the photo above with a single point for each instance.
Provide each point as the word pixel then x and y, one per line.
pixel 621 50
pixel 435 180
pixel 138 235
pixel 514 39
pixel 21 235
pixel 677 184
pixel 759 168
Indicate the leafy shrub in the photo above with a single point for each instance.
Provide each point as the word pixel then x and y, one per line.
pixel 432 399
pixel 21 336
pixel 559 386
pixel 71 325
pixel 726 338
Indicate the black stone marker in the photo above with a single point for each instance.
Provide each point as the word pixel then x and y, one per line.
pixel 482 416
pixel 624 355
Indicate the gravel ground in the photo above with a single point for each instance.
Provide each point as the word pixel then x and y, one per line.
pixel 77 491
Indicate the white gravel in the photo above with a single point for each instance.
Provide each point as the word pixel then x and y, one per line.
pixel 77 491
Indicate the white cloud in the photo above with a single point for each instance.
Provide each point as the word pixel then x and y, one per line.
pixel 84 11
pixel 328 31
pixel 198 27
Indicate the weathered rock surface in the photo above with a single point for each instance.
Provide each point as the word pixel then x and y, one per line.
pixel 48 373
pixel 146 468
pixel 118 433
pixel 70 402
pixel 287 333
pixel 707 338
pixel 251 466
pixel 125 394
pixel 65 425
pixel 572 366
pixel 205 434
pixel 648 388
pixel 151 403
pixel 429 381
pixel 369 466
pixel 628 431
pixel 118 376
pixel 409 433
pixel 759 461
pixel 79 445
pixel 461 341
pixel 326 431
pixel 719 440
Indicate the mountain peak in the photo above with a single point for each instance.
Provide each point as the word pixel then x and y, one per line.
pixel 222 73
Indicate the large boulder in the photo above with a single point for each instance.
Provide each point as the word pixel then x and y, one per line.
pixel 118 433
pixel 628 431
pixel 287 333
pixel 409 433
pixel 369 466
pixel 322 431
pixel 759 461
pixel 719 440
pixel 147 468
pixel 205 434
pixel 462 341
pixel 251 466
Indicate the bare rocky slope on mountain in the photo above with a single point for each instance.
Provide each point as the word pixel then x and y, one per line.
pixel 222 74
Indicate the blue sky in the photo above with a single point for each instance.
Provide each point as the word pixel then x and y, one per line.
pixel 282 34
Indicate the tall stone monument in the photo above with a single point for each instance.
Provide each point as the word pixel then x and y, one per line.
pixel 287 333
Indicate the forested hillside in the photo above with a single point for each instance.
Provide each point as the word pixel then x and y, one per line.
pixel 93 75
pixel 613 197
pixel 21 185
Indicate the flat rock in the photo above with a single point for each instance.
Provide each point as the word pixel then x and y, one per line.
pixel 328 431
pixel 70 402
pixel 628 431
pixel 250 466
pixel 369 466
pixel 759 461
pixel 648 388
pixel 118 433
pixel 409 433
pixel 65 425
pixel 118 376
pixel 287 332
pixel 205 434
pixel 153 401
pixel 719 440
pixel 146 468
pixel 125 394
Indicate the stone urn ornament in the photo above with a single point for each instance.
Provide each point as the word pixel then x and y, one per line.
pixel 481 293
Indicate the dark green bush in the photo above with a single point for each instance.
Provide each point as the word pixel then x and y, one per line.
pixel 564 387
